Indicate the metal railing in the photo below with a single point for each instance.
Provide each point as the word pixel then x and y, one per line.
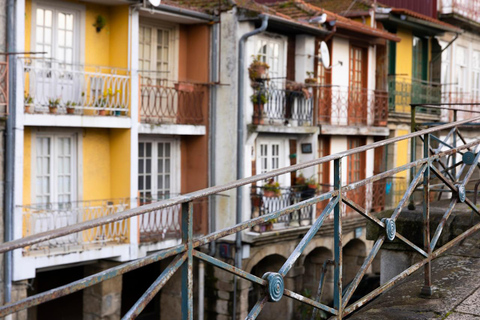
pixel 405 91
pixel 459 100
pixel 162 101
pixel 273 282
pixel 469 9
pixel 263 204
pixel 4 87
pixel 56 87
pixel 38 218
pixel 351 106
pixel 282 106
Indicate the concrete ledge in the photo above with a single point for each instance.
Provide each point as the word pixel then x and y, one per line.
pixel 353 130
pixel 283 129
pixel 77 121
pixel 176 129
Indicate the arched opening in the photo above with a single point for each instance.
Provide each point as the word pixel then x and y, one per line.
pixel 272 311
pixel 354 253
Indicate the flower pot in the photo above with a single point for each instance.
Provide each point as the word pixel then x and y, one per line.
pixel 70 110
pixel 257 72
pixel 29 108
pixel 117 113
pixel 257 114
pixel 53 109
pixel 269 194
pixel 102 112
pixel 185 87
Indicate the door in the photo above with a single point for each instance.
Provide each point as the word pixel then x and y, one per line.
pixel 356 171
pixel 56 32
pixel 357 92
pixel 323 94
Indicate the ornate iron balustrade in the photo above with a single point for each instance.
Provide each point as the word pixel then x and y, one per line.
pixel 38 218
pixel 351 106
pixel 469 9
pixel 263 204
pixel 283 106
pixel 165 224
pixel 4 88
pixel 405 91
pixel 427 168
pixel 57 87
pixel 177 103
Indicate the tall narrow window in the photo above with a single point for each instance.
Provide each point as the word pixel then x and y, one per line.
pixel 461 69
pixel 55 168
pixel 476 75
pixel 357 102
pixel 271 154
pixel 157 168
pixel 271 50
pixel 356 170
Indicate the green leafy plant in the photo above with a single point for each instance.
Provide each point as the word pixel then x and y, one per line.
pixel 272 186
pixel 259 97
pixel 310 78
pixel 28 99
pixel 53 102
pixel 100 23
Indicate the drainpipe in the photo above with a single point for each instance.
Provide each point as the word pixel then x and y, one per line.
pixel 240 146
pixel 9 152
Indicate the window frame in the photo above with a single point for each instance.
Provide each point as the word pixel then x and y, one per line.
pixel 175 164
pixel 77 164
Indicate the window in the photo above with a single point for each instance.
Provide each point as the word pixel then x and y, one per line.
pixel 55 168
pixel 461 69
pixel 476 75
pixel 158 169
pixel 271 50
pixel 356 171
pixel 420 56
pixel 56 33
pixel 446 62
pixel 157 52
pixel 357 109
pixel 271 155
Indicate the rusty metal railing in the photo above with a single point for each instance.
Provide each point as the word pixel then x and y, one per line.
pixel 273 282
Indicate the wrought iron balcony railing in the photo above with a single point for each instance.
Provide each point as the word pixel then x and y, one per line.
pixel 435 166
pixel 404 91
pixel 4 88
pixel 280 106
pixel 162 101
pixel 351 106
pixel 38 218
pixel 56 87
pixel 166 224
pixel 469 9
pixel 264 203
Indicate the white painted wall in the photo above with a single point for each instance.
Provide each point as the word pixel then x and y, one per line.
pixel 304 56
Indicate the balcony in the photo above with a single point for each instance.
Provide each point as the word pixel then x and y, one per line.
pixel 467 9
pixel 265 203
pixel 59 88
pixel 404 91
pixel 274 106
pixel 39 218
pixel 165 102
pixel 166 224
pixel 4 88
pixel 351 106
pixel 461 98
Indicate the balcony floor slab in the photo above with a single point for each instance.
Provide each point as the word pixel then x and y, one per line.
pixel 353 130
pixel 78 121
pixel 283 129
pixel 176 129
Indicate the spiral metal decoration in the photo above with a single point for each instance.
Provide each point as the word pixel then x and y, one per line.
pixel 275 286
pixel 390 228
pixel 468 158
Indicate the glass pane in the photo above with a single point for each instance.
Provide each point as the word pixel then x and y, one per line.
pixel 40 21
pixel 48 18
pixel 61 20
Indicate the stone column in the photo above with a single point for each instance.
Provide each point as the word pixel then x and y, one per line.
pixel 102 301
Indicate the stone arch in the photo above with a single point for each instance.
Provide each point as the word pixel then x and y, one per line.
pixel 272 310
pixel 264 252
pixel 354 253
pixel 313 270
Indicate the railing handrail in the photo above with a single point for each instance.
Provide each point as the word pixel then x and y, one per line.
pixel 19 243
pixel 22 60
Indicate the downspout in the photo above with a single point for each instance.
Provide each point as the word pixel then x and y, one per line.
pixel 9 152
pixel 240 146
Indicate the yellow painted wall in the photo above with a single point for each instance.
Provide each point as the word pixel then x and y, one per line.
pixel 97 44
pixel 27 168
pixel 402 152
pixel 96 164
pixel 403 65
pixel 119 36
pixel 120 163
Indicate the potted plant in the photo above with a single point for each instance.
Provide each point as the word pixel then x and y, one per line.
pixel 271 189
pixel 28 103
pixel 258 98
pixel 53 105
pixel 310 78
pixel 257 69
pixel 100 23
pixel 70 106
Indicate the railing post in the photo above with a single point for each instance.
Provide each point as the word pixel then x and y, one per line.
pixel 413 148
pixel 337 296
pixel 187 268
pixel 427 288
pixel 454 144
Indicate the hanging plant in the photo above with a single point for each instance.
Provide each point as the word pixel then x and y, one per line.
pixel 100 23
